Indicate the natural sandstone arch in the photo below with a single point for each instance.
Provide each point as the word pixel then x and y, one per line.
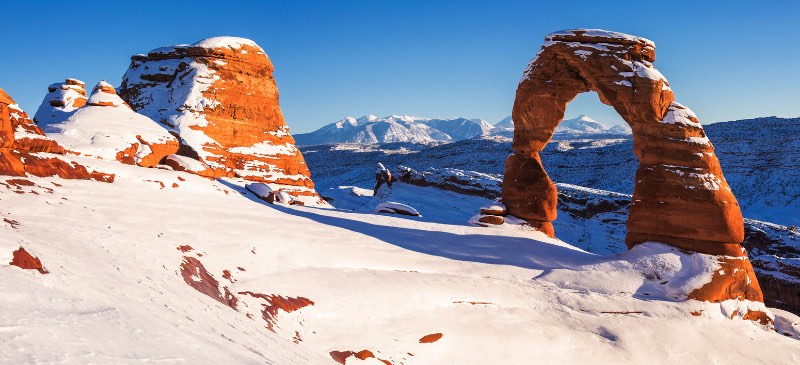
pixel 680 196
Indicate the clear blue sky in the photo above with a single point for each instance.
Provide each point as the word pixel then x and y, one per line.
pixel 725 60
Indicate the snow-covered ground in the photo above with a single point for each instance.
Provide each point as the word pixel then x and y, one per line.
pixel 594 219
pixel 116 293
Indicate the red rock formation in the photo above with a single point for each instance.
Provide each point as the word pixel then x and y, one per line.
pixel 61 99
pixel 680 196
pixel 107 128
pixel 196 276
pixel 21 258
pixel 104 94
pixel 21 140
pixel 220 96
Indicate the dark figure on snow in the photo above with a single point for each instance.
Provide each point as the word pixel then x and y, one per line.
pixel 382 175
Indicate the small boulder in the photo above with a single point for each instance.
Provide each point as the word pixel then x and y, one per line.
pixel 283 197
pixel 491 219
pixel 396 208
pixel 261 190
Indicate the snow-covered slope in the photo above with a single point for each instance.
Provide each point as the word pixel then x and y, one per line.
pixel 582 126
pixel 104 132
pixel 141 271
pixel 395 128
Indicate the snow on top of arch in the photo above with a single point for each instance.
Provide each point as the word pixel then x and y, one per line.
pixel 679 114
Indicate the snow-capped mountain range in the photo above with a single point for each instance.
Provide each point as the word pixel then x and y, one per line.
pixel 403 128
pixel 581 126
pixel 395 128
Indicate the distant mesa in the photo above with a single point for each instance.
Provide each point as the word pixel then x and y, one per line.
pixel 680 197
pixel 220 97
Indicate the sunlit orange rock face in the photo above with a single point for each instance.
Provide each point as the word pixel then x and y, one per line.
pixel 680 196
pixel 220 96
pixel 24 149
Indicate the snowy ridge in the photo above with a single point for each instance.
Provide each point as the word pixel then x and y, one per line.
pixel 370 129
pixel 458 285
pixel 582 126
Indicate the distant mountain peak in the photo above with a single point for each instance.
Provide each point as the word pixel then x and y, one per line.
pixel 396 128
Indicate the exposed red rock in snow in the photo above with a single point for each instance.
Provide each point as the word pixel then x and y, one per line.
pixel 185 248
pixel 61 99
pixel 21 258
pixel 104 94
pixel 196 275
pixel 277 303
pixel 20 140
pixel 188 164
pixel 13 223
pixel 757 316
pixel 227 114
pixel 341 356
pixel 735 279
pixel 226 274
pixel 680 197
pixel 433 337
pixel 103 126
